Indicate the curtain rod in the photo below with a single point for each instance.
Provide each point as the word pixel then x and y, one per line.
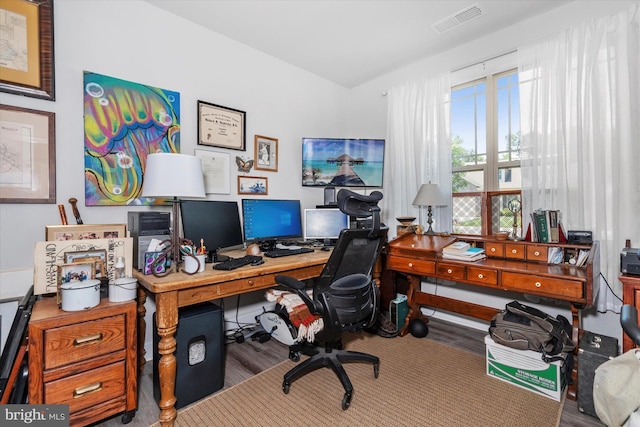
pixel 485 60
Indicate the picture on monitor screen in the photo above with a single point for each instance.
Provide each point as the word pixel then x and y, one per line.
pixel 217 223
pixel 268 221
pixel 342 162
pixel 324 225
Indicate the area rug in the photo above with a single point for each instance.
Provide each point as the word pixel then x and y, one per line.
pixel 421 383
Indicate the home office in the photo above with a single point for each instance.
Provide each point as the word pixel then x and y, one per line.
pixel 281 101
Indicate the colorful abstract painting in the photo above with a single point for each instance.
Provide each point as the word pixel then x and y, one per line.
pixel 123 123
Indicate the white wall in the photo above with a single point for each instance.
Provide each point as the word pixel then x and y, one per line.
pixel 368 112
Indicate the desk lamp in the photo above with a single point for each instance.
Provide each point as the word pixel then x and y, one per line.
pixel 429 195
pixel 172 175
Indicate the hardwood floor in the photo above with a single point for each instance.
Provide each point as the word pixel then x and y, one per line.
pixel 249 358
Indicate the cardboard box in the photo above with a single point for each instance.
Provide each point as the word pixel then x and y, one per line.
pixel 526 369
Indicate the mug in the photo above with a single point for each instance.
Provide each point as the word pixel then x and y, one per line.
pixel 191 265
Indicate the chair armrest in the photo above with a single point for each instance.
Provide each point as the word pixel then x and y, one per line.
pixel 300 289
pixel 629 322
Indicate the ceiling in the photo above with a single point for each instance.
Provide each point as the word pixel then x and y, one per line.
pixel 351 42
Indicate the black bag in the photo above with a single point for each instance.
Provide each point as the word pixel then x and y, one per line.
pixel 527 328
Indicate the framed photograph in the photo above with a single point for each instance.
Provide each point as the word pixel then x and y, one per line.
pixel 98 257
pixel 27 67
pixel 75 272
pixel 216 170
pixel 255 185
pixel 266 153
pixel 28 161
pixel 85 232
pixel 220 126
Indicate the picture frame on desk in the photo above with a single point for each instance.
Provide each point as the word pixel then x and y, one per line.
pixel 29 149
pixel 85 232
pixel 97 257
pixel 33 74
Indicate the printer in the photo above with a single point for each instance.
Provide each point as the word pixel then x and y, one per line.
pixel 630 261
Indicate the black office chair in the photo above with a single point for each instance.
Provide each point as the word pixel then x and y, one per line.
pixel 344 295
pixel 629 323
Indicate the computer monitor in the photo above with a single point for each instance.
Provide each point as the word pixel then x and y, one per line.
pixel 216 222
pixel 324 225
pixel 266 221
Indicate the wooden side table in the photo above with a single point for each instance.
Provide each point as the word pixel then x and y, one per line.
pixel 631 296
pixel 85 359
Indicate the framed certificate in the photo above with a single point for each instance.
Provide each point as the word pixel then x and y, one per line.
pixel 220 126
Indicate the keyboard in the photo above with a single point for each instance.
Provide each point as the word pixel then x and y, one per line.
pixel 276 253
pixel 234 263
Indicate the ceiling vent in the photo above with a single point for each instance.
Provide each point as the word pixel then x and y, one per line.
pixel 450 22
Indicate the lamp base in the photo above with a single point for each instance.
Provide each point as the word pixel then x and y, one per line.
pixel 429 231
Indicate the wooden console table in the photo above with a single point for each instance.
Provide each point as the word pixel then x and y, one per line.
pixel 180 290
pixel 511 266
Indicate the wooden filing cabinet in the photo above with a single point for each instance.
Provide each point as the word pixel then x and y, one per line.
pixel 85 359
pixel 631 296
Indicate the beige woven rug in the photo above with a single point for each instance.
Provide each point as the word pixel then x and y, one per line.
pixel 421 383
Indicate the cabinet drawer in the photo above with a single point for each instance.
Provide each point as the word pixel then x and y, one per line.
pixel 482 275
pixel 514 251
pixel 451 271
pixel 82 341
pixel 494 249
pixel 88 388
pixel 411 266
pixel 537 253
pixel 542 285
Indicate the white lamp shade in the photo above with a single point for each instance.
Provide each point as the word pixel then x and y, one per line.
pixel 429 195
pixel 173 175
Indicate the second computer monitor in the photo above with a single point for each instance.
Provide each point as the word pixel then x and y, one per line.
pixel 324 225
pixel 268 221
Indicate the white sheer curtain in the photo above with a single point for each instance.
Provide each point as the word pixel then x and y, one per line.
pixel 418 148
pixel 580 123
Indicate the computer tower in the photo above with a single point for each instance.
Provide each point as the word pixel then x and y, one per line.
pixel 593 351
pixel 199 353
pixel 144 227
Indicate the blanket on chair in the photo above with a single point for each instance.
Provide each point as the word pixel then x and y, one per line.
pixel 308 324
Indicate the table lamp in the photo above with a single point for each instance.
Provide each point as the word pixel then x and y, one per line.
pixel 172 175
pixel 429 195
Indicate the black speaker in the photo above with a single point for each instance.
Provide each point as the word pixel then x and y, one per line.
pixel 593 351
pixel 330 196
pixel 199 353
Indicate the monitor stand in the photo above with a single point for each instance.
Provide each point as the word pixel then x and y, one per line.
pixel 214 256
pixel 268 245
pixel 327 244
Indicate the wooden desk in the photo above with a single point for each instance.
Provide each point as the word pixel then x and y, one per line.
pixel 631 296
pixel 419 255
pixel 180 290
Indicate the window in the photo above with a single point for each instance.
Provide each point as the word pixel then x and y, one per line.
pixel 485 129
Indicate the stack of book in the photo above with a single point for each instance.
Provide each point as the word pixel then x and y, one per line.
pixel 545 226
pixel 462 251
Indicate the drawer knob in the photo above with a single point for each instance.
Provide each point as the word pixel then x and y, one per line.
pixel 514 251
pixel 410 265
pixel 250 282
pixel 87 339
pixel 537 253
pixel 493 249
pixel 86 389
pixel 449 271
pixel 480 276
pixel 538 284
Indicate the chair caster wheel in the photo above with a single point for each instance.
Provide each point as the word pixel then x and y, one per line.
pixel 376 370
pixel 285 388
pixel 346 401
pixel 294 356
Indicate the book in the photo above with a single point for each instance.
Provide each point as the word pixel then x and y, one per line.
pixel 543 229
pixel 475 257
pixel 457 247
pixel 554 232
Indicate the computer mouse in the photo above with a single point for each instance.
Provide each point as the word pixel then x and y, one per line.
pixel 258 262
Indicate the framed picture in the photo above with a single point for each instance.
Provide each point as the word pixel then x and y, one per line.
pixel 216 171
pixel 98 257
pixel 220 126
pixel 75 272
pixel 85 232
pixel 28 162
pixel 266 153
pixel 255 185
pixel 28 35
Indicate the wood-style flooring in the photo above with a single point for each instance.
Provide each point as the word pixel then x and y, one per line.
pixel 249 358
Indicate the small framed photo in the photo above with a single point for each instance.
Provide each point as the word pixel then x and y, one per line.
pixel 75 272
pixel 98 257
pixel 256 185
pixel 266 153
pixel 220 126
pixel 85 232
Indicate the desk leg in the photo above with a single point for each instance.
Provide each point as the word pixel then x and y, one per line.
pixel 167 321
pixel 415 283
pixel 576 324
pixel 142 327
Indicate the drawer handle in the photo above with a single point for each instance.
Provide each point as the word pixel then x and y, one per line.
pixel 493 249
pixel 88 339
pixel 449 271
pixel 538 284
pixel 480 276
pixel 250 282
pixel 514 251
pixel 410 265
pixel 537 253
pixel 86 389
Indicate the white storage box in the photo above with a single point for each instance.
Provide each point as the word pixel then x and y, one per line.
pixel 526 369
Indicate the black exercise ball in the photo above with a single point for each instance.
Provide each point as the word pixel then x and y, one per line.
pixel 418 328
